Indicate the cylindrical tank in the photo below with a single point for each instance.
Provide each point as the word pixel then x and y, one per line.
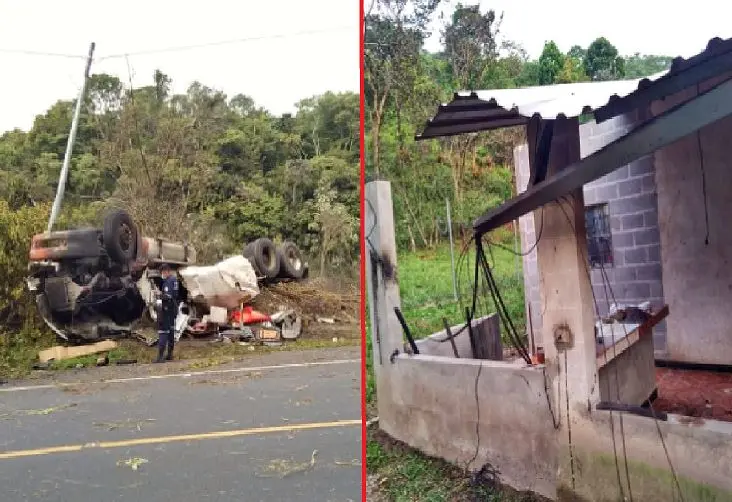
pixel 165 251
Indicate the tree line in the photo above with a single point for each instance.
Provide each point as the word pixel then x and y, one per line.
pixel 212 170
pixel 404 83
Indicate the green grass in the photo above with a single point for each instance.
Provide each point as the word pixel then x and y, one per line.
pixel 425 283
pixel 405 475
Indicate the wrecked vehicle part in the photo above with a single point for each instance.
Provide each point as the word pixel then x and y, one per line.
pixel 291 262
pixel 97 283
pixel 227 284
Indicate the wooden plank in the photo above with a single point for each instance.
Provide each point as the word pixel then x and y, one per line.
pixel 674 124
pixel 59 352
pixel 487 339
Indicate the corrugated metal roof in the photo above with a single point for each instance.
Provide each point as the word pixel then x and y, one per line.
pixel 473 111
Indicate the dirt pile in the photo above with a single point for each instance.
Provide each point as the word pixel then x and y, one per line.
pixel 314 299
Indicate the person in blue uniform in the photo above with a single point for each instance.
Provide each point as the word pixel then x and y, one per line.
pixel 167 304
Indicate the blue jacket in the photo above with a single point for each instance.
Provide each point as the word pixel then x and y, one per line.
pixel 170 293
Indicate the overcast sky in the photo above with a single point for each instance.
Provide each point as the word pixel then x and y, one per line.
pixel 646 26
pixel 276 72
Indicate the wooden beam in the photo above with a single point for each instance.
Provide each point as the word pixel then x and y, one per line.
pixel 674 124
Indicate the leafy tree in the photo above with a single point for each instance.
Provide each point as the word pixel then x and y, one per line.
pixel 393 38
pixel 602 61
pixel 638 66
pixel 551 63
pixel 470 44
pixel 572 71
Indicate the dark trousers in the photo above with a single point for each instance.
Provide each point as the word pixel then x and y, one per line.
pixel 166 336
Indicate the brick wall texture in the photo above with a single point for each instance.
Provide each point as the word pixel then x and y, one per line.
pixel 630 193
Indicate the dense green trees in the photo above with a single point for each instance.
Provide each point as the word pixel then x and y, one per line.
pixel 198 166
pixel 405 83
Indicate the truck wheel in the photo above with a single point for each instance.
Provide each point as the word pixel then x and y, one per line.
pixel 248 253
pixel 291 264
pixel 265 257
pixel 120 236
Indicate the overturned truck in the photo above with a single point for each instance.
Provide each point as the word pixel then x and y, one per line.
pixel 99 283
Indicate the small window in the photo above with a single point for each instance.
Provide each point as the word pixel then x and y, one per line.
pixel 599 238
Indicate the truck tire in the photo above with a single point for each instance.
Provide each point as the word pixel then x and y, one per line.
pixel 248 253
pixel 291 263
pixel 120 236
pixel 265 257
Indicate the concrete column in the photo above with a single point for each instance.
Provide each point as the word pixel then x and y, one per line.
pixel 568 310
pixel 382 285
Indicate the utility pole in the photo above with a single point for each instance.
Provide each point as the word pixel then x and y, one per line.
pixel 452 252
pixel 70 144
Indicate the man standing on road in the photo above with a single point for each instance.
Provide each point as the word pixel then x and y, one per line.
pixel 167 304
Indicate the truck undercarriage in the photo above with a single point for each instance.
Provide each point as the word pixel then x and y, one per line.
pixel 93 284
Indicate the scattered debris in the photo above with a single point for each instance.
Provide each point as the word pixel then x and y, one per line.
pixel 103 360
pixel 44 411
pixel 131 424
pixel 133 463
pixel 371 422
pixel 59 352
pixel 351 463
pixel 283 468
pixel 325 320
pixel 122 362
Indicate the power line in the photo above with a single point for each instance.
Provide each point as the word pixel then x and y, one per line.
pixel 227 42
pixel 42 53
pixel 179 48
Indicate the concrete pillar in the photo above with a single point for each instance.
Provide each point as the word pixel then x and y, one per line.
pixel 382 285
pixel 568 313
pixel 568 308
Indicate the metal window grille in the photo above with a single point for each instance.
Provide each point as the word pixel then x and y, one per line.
pixel 599 236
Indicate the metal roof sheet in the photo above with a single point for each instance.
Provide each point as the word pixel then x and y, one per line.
pixel 473 111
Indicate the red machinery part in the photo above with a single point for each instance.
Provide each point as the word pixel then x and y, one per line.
pixel 248 315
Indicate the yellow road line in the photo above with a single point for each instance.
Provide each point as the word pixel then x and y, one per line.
pixel 170 439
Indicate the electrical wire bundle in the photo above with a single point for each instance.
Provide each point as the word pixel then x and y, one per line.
pixel 484 285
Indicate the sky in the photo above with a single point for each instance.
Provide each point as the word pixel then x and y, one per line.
pixel 645 26
pixel 275 72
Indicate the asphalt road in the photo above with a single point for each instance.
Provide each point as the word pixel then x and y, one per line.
pixel 277 432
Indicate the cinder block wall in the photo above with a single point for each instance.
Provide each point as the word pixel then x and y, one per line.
pixel 630 193
pixel 532 293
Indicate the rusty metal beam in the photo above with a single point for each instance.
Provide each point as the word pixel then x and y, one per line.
pixel 667 85
pixel 470 126
pixel 674 124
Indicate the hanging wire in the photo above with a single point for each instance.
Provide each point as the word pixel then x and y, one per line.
pixel 227 42
pixel 650 405
pixel 25 52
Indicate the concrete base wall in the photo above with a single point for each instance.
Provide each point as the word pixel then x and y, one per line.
pixel 434 409
pixel 700 451
pixel 633 372
pixel 431 406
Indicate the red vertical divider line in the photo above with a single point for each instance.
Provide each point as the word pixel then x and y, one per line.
pixel 362 243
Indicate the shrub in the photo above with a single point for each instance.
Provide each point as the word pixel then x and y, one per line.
pixel 21 330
